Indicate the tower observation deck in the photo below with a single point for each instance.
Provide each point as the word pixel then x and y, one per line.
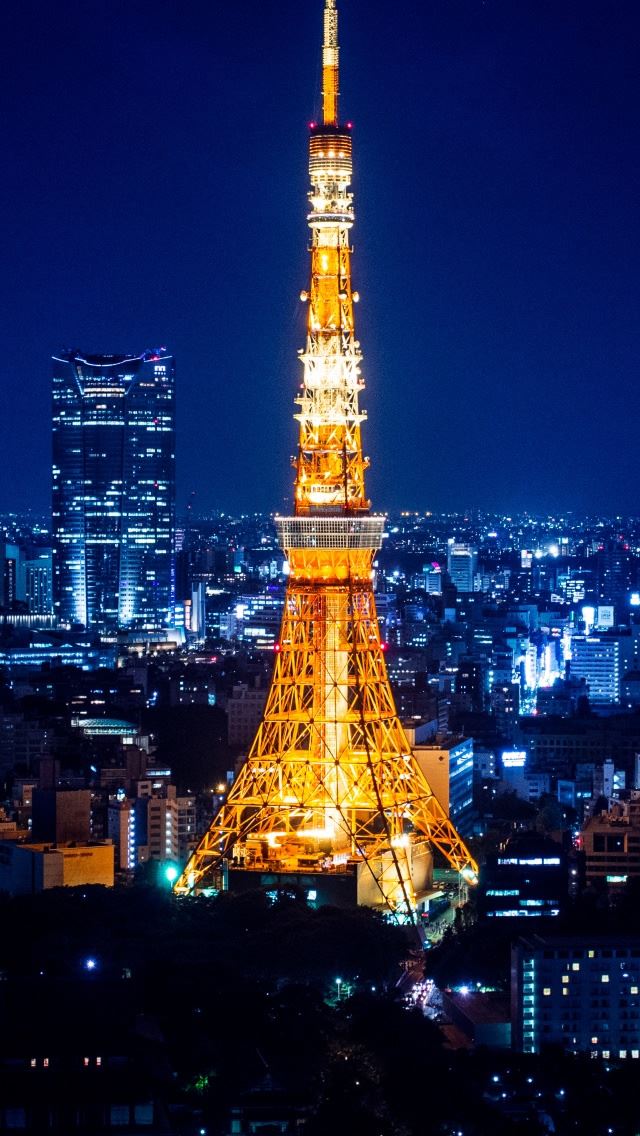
pixel 330 795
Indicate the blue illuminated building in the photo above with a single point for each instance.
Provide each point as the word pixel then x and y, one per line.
pixel 527 879
pixel 114 490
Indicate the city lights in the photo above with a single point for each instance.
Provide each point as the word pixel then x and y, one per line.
pixel 256 735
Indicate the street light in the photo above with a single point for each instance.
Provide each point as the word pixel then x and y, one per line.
pixel 339 985
pixel 171 874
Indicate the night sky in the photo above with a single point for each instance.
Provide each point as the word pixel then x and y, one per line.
pixel 153 193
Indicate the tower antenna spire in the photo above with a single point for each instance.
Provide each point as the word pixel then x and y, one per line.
pixel 330 65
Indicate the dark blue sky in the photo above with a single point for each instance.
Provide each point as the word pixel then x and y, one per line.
pixel 153 193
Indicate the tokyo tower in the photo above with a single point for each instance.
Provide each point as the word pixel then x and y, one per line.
pixel 330 796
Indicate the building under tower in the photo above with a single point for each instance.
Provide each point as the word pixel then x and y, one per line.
pixel 114 491
pixel 331 797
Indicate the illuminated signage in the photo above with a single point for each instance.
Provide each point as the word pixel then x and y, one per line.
pixel 530 861
pixel 514 758
pixel 605 616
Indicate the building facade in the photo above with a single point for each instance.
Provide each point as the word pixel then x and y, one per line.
pixel 448 767
pixel 462 562
pixel 580 992
pixel 596 659
pixel 610 841
pixel 38 582
pixel 526 879
pixel 114 490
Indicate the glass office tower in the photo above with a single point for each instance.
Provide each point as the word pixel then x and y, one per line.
pixel 114 490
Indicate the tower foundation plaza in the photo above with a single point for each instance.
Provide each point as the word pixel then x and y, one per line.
pixel 330 797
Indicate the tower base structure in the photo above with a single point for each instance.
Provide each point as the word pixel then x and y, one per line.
pixel 330 791
pixel 349 885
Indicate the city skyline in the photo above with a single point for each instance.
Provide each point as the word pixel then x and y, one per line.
pixel 396 753
pixel 509 141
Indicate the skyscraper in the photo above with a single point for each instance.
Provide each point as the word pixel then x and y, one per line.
pixel 462 562
pixel 114 490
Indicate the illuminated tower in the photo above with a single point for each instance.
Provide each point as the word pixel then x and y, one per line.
pixel 330 791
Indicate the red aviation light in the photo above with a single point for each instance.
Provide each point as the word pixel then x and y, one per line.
pixel 277 647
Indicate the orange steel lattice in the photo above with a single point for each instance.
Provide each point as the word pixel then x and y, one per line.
pixel 330 785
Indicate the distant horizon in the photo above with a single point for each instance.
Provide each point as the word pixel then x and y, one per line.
pixel 38 514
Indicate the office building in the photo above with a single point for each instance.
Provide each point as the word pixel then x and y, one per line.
pixel 448 767
pixel 39 582
pixel 610 841
pixel 50 650
pixel 114 491
pixel 596 659
pixel 526 879
pixel 156 824
pixel 470 685
pixel 12 576
pixel 580 992
pixel 615 574
pixel 462 562
pixel 505 703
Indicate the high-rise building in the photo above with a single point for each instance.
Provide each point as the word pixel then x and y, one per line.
pixel 114 490
pixel 39 582
pixel 615 575
pixel 596 659
pixel 330 790
pixel 462 562
pixel 12 576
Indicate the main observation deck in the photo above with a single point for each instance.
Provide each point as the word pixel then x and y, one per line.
pixel 345 532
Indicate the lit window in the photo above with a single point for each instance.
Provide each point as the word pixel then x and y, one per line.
pixel 634 989
pixel 606 1053
pixel 604 978
pixel 623 1053
pixel 45 1062
pixel 591 954
pixel 565 992
pixel 565 979
pixel 594 1041
pixel 575 966
pixel 546 991
pixel 635 1053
